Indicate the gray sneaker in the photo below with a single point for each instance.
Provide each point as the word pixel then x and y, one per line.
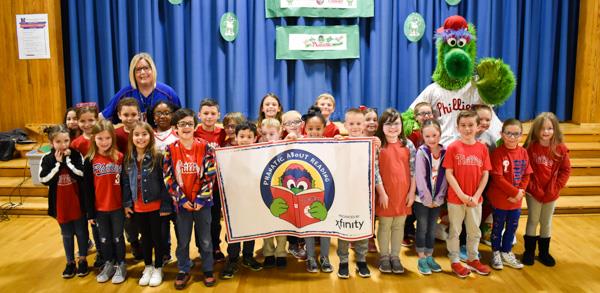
pixel 325 265
pixel 384 264
pixel 108 270
pixel 120 274
pixel 311 265
pixel 397 267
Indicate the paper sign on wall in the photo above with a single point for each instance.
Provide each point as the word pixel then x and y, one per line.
pixel 32 36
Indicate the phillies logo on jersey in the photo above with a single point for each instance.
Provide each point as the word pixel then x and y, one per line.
pixel 101 169
pixel 470 160
pixel 65 179
pixel 457 104
pixel 543 160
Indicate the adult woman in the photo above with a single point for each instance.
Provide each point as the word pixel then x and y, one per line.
pixel 143 87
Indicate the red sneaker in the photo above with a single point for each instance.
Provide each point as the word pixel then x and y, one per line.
pixel 407 242
pixel 460 270
pixel 478 267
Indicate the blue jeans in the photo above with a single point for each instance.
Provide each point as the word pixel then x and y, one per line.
pixel 110 225
pixel 75 228
pixel 426 223
pixel 200 222
pixel 507 220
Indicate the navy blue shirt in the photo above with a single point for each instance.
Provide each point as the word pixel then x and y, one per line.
pixel 161 92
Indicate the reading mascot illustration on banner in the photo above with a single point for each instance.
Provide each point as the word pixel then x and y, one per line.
pixel 297 187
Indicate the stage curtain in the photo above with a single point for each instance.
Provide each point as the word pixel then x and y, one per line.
pixel 537 38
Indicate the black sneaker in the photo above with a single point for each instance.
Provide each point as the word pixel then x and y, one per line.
pixel 82 268
pixel 181 280
pixel 218 256
pixel 251 263
pixel 69 271
pixel 269 262
pixel 343 272
pixel 230 269
pixel 281 262
pixel 209 279
pixel 363 269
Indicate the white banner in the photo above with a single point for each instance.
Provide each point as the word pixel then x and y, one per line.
pixel 318 3
pixel 309 187
pixel 318 42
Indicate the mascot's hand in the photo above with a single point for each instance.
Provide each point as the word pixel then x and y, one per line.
pixel 496 81
pixel 318 211
pixel 409 123
pixel 278 207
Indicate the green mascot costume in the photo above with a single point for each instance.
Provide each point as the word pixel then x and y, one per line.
pixel 459 83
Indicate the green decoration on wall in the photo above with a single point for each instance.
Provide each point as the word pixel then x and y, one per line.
pixel 229 26
pixel 414 27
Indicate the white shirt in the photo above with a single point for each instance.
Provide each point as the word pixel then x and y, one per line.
pixel 449 103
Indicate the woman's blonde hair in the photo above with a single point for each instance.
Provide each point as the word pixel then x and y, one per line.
pixel 536 129
pixel 134 61
pixel 100 126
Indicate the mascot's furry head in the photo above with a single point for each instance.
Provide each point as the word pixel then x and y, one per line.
pixel 456 56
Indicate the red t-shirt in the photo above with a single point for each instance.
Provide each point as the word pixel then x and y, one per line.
pixel 67 198
pixel 510 172
pixel 140 206
pixel 468 163
pixel 107 182
pixel 550 172
pixel 122 139
pixel 394 167
pixel 81 144
pixel 217 135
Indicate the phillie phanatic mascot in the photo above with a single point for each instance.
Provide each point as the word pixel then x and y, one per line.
pixel 459 83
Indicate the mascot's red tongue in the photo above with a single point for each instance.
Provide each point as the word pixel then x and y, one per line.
pixel 454 22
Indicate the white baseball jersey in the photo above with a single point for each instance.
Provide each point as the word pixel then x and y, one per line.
pixel 449 103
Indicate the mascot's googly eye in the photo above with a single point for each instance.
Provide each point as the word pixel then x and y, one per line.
pixel 451 42
pixel 290 184
pixel 302 185
pixel 461 42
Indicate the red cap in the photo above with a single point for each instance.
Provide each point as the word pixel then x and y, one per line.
pixel 454 22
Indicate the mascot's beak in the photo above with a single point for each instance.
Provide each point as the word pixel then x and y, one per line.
pixel 458 64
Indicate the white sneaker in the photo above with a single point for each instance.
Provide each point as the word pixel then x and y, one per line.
pixel 120 274
pixel 510 260
pixel 157 277
pixel 146 276
pixel 497 261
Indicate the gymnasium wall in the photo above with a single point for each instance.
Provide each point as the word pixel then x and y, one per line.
pixel 32 91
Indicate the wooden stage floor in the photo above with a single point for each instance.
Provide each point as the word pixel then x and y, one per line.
pixel 32 260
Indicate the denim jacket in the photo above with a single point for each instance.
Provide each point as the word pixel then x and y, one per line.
pixel 153 187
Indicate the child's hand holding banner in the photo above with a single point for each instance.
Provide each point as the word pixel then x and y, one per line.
pixel 310 187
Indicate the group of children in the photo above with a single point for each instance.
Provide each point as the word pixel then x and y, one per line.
pixel 142 176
